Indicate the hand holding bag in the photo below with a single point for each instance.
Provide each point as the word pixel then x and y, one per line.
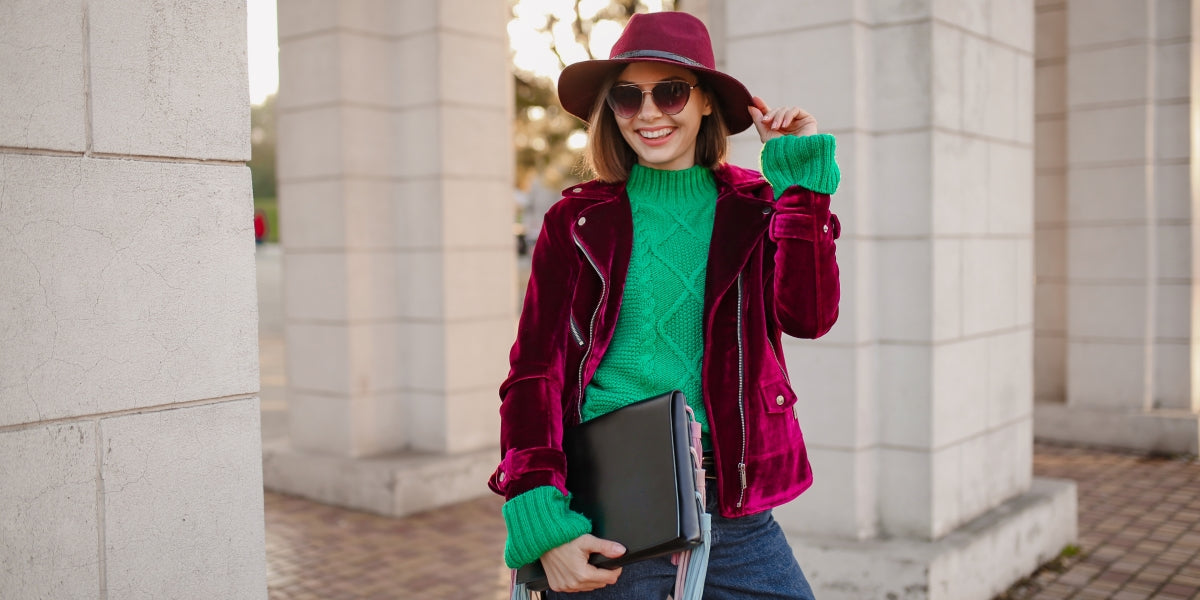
pixel 633 473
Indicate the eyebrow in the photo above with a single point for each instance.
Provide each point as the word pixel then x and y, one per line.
pixel 671 78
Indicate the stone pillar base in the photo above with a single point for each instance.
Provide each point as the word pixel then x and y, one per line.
pixel 392 485
pixel 974 562
pixel 1167 431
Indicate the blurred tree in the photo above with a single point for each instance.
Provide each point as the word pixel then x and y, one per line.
pixel 546 36
pixel 262 148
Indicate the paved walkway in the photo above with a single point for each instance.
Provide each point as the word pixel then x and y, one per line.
pixel 1139 528
pixel 1139 524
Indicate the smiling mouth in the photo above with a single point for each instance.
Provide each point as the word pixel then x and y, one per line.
pixel 655 134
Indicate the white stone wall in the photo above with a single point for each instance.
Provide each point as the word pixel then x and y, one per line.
pixel 1050 204
pixel 1129 212
pixel 395 167
pixel 1115 247
pixel 129 439
pixel 917 404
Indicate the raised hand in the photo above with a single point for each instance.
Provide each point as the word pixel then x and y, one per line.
pixel 785 120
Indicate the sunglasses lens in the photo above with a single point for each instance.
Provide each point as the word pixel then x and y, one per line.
pixel 671 96
pixel 625 100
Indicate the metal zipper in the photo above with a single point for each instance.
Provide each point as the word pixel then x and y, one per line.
pixel 591 325
pixel 578 335
pixel 741 394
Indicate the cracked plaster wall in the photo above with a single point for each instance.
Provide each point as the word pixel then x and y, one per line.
pixel 130 458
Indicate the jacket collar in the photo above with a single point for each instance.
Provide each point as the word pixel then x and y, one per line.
pixel 604 226
pixel 732 181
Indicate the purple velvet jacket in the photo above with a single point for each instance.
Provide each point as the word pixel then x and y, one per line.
pixel 771 270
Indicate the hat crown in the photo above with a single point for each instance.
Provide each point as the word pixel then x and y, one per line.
pixel 674 36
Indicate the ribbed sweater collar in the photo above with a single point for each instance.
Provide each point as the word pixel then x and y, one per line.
pixel 683 187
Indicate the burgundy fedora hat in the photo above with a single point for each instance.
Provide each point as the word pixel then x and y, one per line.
pixel 674 38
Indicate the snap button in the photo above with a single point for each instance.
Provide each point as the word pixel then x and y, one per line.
pixel 766 210
pixel 779 400
pixel 501 476
pixel 825 229
pixel 577 190
pixel 582 220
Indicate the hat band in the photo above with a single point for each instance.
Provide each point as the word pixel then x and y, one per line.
pixel 659 54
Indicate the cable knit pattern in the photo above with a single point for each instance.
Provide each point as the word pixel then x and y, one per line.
pixel 658 343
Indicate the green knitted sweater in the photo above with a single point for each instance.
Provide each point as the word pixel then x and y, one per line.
pixel 658 342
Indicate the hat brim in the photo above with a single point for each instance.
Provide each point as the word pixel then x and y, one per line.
pixel 579 84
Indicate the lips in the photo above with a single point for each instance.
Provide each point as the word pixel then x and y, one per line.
pixel 654 137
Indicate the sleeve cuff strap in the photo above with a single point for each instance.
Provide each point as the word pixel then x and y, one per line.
pixel 808 161
pixel 537 521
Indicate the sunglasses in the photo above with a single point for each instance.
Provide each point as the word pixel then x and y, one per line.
pixel 670 97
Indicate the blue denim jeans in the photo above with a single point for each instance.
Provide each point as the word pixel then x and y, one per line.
pixel 750 559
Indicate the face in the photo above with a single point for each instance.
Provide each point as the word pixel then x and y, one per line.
pixel 662 141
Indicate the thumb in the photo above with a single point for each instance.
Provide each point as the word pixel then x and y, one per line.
pixel 756 117
pixel 608 548
pixel 758 108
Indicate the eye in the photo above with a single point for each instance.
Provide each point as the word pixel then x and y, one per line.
pixel 675 90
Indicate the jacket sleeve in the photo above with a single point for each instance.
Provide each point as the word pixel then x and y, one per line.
pixel 807 290
pixel 531 409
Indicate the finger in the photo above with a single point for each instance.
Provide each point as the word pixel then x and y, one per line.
pixel 789 117
pixel 768 112
pixel 608 577
pixel 757 117
pixel 784 118
pixel 594 579
pixel 777 119
pixel 781 118
pixel 760 105
pixel 608 548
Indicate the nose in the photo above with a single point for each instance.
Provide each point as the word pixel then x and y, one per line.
pixel 649 110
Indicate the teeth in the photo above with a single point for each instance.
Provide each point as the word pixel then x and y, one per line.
pixel 653 135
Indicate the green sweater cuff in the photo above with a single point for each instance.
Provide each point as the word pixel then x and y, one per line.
pixel 539 520
pixel 806 161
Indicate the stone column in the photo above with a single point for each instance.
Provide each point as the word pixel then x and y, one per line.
pixel 399 266
pixel 129 427
pixel 1126 232
pixel 917 406
pixel 1050 203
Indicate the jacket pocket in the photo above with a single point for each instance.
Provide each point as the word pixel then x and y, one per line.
pixel 576 332
pixel 777 396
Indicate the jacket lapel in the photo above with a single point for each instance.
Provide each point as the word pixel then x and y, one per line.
pixel 606 231
pixel 740 222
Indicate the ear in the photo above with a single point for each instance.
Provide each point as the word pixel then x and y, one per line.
pixel 707 108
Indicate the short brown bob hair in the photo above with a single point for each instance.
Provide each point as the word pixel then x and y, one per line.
pixel 610 157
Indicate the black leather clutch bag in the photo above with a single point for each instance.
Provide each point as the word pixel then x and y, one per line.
pixel 630 472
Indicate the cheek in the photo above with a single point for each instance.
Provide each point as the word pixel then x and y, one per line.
pixel 628 135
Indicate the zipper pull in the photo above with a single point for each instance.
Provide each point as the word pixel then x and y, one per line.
pixel 742 478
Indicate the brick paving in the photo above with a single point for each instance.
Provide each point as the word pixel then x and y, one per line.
pixel 1139 539
pixel 1139 528
pixel 319 552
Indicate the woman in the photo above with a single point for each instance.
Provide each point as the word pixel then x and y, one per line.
pixel 672 270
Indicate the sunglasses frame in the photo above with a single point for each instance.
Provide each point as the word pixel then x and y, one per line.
pixel 608 98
